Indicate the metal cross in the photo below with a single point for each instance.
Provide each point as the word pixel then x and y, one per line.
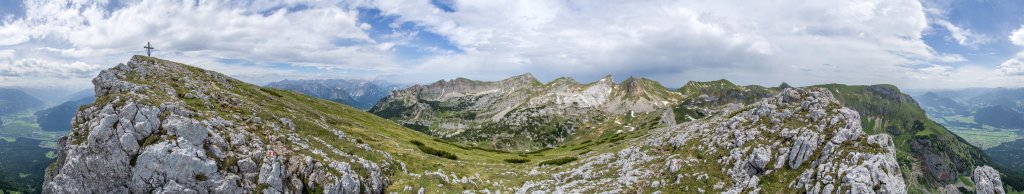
pixel 149 49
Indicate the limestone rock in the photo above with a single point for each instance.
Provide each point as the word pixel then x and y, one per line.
pixel 156 138
pixel 986 181
pixel 827 153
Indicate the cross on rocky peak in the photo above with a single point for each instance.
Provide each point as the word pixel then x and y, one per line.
pixel 149 49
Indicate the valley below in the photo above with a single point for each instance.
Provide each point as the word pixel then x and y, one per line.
pixel 26 150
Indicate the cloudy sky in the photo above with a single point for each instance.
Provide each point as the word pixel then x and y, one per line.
pixel 909 43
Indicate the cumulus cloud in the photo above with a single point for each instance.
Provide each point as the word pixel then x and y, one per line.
pixel 753 42
pixel 1013 67
pixel 261 33
pixel 284 34
pixel 43 68
pixel 1017 37
pixel 856 42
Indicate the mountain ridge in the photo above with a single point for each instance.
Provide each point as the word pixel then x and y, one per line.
pixel 161 126
pixel 883 109
pixel 471 111
pixel 15 100
pixel 362 94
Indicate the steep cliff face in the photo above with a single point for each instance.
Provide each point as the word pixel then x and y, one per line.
pixel 520 113
pixel 159 126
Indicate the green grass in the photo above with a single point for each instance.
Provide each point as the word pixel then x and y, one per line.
pixel 559 161
pixel 967 181
pixel 23 124
pixel 432 151
pixel 986 138
pixel 517 160
pixel 200 177
pixel 51 154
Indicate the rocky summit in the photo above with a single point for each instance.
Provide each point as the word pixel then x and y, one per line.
pixel 159 126
pixel 164 127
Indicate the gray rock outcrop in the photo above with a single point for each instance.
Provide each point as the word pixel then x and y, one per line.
pixel 986 181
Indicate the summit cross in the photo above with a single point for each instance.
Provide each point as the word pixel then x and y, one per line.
pixel 149 49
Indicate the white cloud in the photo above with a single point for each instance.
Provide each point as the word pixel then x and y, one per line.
pixel 859 42
pixel 964 37
pixel 934 71
pixel 261 32
pixel 44 68
pixel 855 42
pixel 1013 67
pixel 34 72
pixel 1017 37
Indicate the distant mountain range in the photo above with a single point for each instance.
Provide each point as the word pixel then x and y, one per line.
pixel 15 101
pixel 362 94
pixel 58 118
pixel 997 107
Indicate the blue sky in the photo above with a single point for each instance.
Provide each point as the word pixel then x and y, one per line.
pixel 909 43
pixel 992 19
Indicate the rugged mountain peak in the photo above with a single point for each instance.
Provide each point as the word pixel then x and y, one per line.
pixel 632 86
pixel 564 81
pixel 606 79
pixel 785 85
pixel 645 88
pixel 160 126
pixel 526 77
pixel 722 83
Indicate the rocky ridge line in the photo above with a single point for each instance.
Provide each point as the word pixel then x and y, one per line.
pixel 148 132
pixel 801 139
